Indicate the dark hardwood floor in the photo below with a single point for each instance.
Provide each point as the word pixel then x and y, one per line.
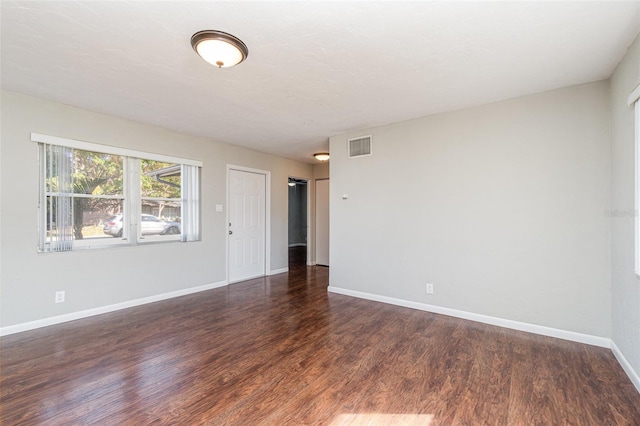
pixel 281 350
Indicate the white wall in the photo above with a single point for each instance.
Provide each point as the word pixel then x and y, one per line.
pixel 320 171
pixel 501 207
pixel 110 276
pixel 626 286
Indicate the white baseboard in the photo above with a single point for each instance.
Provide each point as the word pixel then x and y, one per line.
pixel 515 325
pixel 626 366
pixel 31 325
pixel 278 271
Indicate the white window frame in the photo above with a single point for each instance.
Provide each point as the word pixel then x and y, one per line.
pixel 131 197
pixel 634 99
pixel 42 219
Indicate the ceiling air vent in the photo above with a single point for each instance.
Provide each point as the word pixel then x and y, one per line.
pixel 360 147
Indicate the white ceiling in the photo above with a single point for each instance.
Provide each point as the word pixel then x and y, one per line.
pixel 315 69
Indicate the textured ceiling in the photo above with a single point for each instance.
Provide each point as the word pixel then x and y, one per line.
pixel 315 69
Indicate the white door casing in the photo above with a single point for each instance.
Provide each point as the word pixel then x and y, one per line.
pixel 322 222
pixel 309 219
pixel 246 224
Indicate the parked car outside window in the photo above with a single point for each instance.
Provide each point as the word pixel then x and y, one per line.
pixel 149 225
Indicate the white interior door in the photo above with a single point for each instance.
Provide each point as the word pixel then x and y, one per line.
pixel 322 222
pixel 247 223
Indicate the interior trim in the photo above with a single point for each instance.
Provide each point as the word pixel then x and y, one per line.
pixel 486 319
pixel 635 95
pixel 626 365
pixel 278 271
pixel 108 149
pixel 45 322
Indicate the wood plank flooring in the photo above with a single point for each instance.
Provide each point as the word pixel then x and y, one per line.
pixel 282 351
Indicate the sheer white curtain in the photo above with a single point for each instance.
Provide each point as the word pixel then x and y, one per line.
pixel 190 203
pixel 58 181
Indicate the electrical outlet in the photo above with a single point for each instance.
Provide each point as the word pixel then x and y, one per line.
pixel 59 296
pixel 429 288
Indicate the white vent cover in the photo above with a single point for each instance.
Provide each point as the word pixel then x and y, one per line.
pixel 360 147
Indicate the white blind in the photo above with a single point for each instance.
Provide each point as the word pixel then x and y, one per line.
pixel 59 203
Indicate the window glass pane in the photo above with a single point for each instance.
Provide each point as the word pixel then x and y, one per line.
pixel 114 225
pixel 96 173
pixel 160 180
pixel 95 220
pixel 160 185
pixel 161 210
pixel 153 228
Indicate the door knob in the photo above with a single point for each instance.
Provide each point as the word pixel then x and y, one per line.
pixel 230 232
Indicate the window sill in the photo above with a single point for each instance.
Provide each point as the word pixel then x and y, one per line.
pixel 115 245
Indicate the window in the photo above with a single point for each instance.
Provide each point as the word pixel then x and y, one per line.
pixel 93 196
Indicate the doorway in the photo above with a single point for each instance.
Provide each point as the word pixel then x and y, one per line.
pixel 247 223
pixel 298 229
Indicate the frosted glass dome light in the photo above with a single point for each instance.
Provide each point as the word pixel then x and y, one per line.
pixel 219 48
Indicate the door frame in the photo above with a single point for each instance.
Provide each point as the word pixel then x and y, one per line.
pixel 267 216
pixel 315 224
pixel 309 206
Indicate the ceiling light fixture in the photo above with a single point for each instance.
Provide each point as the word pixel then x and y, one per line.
pixel 219 48
pixel 321 156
